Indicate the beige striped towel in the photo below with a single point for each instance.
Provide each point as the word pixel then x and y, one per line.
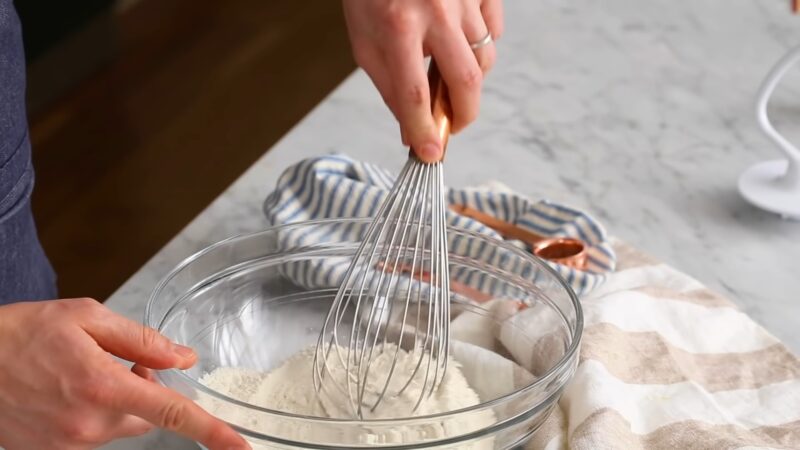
pixel 667 364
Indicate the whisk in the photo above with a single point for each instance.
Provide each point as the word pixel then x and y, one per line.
pixel 394 300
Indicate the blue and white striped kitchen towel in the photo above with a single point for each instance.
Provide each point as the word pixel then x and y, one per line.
pixel 336 186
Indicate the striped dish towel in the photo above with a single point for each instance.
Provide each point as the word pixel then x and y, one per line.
pixel 667 364
pixel 336 186
pixel 664 362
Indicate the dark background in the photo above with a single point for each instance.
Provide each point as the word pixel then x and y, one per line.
pixel 47 22
pixel 142 112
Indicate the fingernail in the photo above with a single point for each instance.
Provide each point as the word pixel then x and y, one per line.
pixel 182 351
pixel 430 152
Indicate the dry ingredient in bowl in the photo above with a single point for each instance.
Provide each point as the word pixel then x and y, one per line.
pixel 289 388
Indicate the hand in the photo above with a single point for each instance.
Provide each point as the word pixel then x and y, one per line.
pixel 390 39
pixel 60 388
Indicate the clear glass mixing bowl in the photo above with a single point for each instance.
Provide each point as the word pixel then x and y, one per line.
pixel 251 302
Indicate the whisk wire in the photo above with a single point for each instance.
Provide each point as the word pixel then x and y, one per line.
pixel 402 258
pixel 417 251
pixel 444 349
pixel 381 296
pixel 355 339
pixel 435 300
pixel 336 312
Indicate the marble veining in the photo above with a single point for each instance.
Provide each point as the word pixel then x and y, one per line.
pixel 640 112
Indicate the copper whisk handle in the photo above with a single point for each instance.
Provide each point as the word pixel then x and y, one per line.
pixel 441 109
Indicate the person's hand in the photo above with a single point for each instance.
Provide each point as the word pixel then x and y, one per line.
pixel 61 389
pixel 390 39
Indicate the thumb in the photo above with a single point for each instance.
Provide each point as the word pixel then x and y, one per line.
pixel 428 150
pixel 135 342
pixel 419 129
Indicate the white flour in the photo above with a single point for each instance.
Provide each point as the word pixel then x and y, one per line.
pixel 289 388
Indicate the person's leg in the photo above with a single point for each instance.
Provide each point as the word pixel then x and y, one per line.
pixel 25 273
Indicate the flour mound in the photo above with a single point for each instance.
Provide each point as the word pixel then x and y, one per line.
pixel 289 388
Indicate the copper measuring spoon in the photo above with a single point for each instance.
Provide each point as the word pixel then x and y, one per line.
pixel 562 250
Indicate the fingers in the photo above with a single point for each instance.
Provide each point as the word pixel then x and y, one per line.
pixel 167 409
pixel 372 61
pixel 461 73
pixel 390 41
pixel 492 11
pixel 128 426
pixel 411 97
pixel 135 342
pixel 486 57
pixel 87 429
pixel 143 372
pixel 375 66
pixel 475 29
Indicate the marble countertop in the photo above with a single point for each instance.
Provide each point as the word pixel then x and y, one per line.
pixel 640 112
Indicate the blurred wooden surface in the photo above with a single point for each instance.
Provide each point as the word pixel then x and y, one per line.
pixel 201 89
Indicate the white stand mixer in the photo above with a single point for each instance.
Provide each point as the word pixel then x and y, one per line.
pixel 774 185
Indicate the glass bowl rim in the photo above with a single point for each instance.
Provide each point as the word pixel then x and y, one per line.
pixel 196 384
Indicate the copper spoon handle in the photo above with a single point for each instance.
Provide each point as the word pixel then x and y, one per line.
pixel 567 251
pixel 507 230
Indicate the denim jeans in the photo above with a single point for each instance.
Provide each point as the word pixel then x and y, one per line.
pixel 25 272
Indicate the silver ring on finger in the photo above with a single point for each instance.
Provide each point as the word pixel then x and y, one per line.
pixel 486 40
